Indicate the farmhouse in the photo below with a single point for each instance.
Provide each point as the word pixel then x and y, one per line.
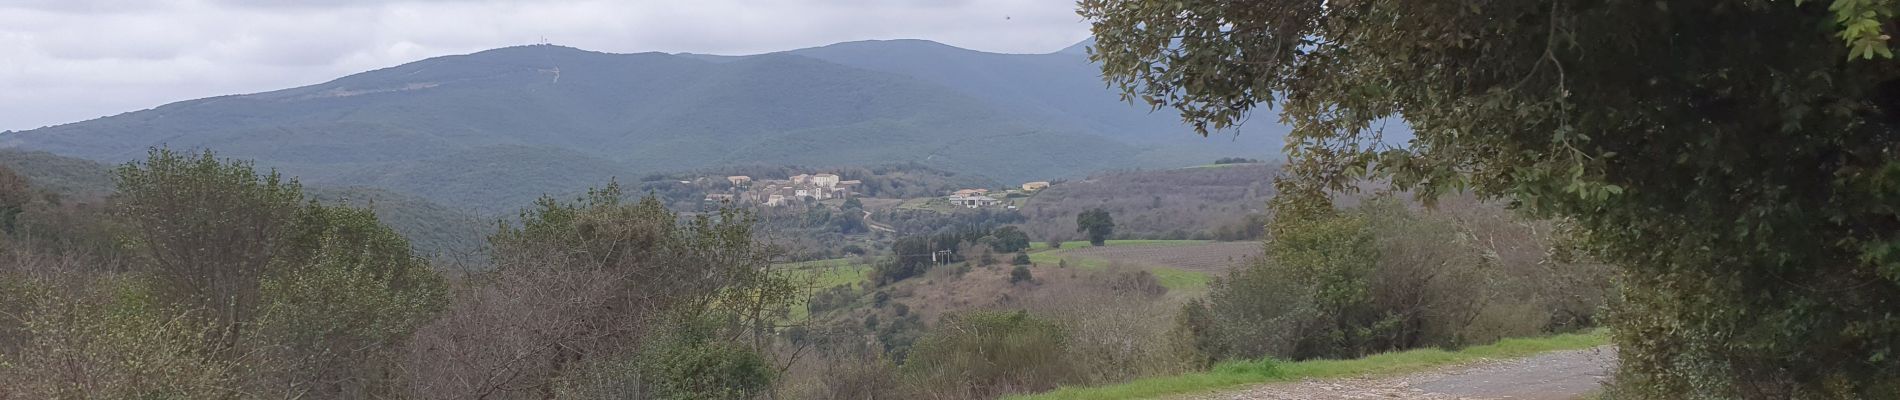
pixel 825 180
pixel 972 201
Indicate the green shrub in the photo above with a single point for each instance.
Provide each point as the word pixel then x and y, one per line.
pixel 1020 274
pixel 987 354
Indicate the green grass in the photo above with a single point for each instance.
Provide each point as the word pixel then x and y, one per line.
pixel 1177 280
pixel 1234 374
pixel 1038 246
pixel 819 275
pixel 1173 278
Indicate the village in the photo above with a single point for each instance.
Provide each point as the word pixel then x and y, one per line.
pixel 807 188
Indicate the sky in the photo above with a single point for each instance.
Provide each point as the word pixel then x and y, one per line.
pixel 66 61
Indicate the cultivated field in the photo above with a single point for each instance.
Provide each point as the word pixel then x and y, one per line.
pixel 1213 258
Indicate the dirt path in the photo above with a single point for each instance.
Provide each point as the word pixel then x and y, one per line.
pixel 1563 375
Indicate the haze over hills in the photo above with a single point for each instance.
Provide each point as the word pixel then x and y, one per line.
pixel 550 119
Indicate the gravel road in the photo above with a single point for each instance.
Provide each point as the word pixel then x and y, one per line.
pixel 1562 375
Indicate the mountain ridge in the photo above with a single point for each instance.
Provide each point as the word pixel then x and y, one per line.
pixel 1007 117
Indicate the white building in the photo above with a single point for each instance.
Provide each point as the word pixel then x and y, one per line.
pixel 825 180
pixel 972 201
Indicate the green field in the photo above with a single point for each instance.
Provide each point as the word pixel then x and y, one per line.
pixel 817 275
pixel 1241 373
pixel 1172 278
pixel 1037 246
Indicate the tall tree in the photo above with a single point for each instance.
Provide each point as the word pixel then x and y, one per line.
pixel 1737 159
pixel 1097 224
pixel 1009 239
pixel 14 194
pixel 207 229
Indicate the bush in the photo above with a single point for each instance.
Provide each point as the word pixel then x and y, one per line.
pixel 110 338
pixel 1343 284
pixel 989 354
pixel 1020 274
pixel 687 360
pixel 1020 259
pixel 1009 239
pixel 692 363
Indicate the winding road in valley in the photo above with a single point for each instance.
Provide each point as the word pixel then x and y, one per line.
pixel 877 226
pixel 1561 375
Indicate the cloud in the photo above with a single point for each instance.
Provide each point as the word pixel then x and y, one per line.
pixel 69 60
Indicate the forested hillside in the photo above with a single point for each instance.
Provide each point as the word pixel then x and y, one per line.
pixel 434 229
pixel 547 119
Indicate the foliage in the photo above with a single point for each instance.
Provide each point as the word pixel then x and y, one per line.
pixel 66 175
pixel 1380 277
pixel 433 230
pixel 1009 239
pixel 14 196
pixel 1097 224
pixel 910 256
pixel 108 338
pixel 1020 274
pixel 694 362
pixel 349 300
pixel 586 283
pixel 985 354
pixel 207 229
pixel 1734 159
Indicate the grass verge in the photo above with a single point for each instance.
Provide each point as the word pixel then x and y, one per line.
pixel 1235 374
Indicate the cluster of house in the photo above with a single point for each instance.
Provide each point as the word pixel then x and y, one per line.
pixel 776 192
pixel 978 198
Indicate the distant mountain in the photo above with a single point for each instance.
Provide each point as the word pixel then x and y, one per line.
pixel 490 130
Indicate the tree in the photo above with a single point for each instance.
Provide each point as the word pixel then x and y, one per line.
pixel 313 299
pixel 1009 239
pixel 207 229
pixel 1020 274
pixel 14 194
pixel 910 256
pixel 348 298
pixel 1734 159
pixel 584 287
pixel 1097 224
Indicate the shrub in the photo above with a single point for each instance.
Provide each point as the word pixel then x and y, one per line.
pixel 1379 277
pixel 988 354
pixel 1020 274
pixel 109 338
pixel 1020 259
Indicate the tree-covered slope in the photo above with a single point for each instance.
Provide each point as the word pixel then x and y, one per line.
pixel 432 229
pixel 452 129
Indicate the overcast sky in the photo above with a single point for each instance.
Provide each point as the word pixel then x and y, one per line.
pixel 71 60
